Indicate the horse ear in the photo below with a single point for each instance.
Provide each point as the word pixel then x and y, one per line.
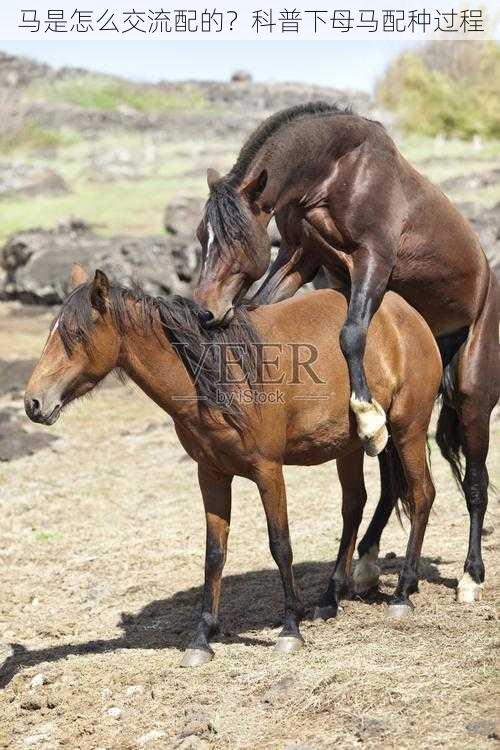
pixel 212 177
pixel 254 189
pixel 78 276
pixel 99 295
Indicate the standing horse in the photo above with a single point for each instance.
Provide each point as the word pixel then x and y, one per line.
pixel 161 346
pixel 344 197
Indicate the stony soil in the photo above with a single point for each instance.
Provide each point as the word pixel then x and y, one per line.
pixel 102 545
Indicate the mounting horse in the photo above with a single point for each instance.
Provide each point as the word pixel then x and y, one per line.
pixel 344 198
pixel 274 404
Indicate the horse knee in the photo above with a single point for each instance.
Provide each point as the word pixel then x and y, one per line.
pixel 215 559
pixel 281 549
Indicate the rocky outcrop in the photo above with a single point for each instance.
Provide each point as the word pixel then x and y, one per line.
pixel 27 179
pixel 37 263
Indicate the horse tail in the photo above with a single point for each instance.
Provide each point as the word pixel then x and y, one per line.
pixel 449 440
pixel 397 483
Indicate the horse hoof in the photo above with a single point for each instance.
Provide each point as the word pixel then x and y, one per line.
pixel 376 444
pixel 288 644
pixel 325 613
pixel 468 591
pixel 196 657
pixel 398 611
pixel 363 585
pixel 366 572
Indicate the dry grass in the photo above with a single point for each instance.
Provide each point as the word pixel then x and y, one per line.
pixel 102 562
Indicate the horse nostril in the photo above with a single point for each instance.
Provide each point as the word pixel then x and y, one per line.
pixel 34 406
pixel 205 316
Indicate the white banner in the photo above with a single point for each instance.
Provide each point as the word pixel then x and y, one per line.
pixel 306 20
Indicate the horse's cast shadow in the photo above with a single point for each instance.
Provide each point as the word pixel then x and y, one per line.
pixel 251 602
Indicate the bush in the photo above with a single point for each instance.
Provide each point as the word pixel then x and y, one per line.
pixel 448 88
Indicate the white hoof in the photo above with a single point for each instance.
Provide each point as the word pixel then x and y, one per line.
pixel 366 573
pixel 196 657
pixel 371 420
pixel 288 644
pixel 468 591
pixel 398 611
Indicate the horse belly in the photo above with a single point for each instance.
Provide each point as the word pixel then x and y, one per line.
pixel 327 441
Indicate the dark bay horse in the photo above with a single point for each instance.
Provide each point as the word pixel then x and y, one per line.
pixel 160 344
pixel 344 198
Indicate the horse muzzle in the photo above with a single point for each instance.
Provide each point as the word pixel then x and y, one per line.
pixel 40 413
pixel 209 321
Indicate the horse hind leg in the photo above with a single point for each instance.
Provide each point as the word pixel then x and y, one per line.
pixel 475 438
pixel 418 496
pixel 474 393
pixel 350 471
pixel 367 572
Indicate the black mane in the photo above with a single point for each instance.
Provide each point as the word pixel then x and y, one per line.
pixel 202 352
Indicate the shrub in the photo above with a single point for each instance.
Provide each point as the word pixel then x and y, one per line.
pixel 448 88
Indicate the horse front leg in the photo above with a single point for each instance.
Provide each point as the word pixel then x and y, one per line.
pixel 369 278
pixel 273 494
pixel 216 492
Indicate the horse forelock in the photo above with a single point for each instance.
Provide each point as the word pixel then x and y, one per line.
pixel 228 220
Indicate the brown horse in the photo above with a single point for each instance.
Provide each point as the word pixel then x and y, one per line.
pixel 295 411
pixel 344 198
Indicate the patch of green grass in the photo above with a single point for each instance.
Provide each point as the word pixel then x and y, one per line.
pixel 32 137
pixel 99 92
pixel 46 536
pixel 134 208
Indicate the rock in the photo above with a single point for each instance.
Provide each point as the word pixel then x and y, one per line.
pixel 192 743
pixel 154 734
pixel 31 704
pixel 114 712
pixel 34 739
pixel 485 728
pixel 486 224
pixel 134 690
pixel 182 216
pixel 116 164
pixel 197 722
pixel 38 262
pixel 241 76
pixel 369 728
pixel 37 681
pixel 27 179
pixel 20 71
pixel 472 181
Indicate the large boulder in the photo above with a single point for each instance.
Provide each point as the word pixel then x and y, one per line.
pixel 37 263
pixel 182 216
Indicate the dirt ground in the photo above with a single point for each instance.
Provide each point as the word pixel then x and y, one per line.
pixel 102 546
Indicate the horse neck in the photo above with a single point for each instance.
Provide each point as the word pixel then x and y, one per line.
pixel 296 157
pixel 149 359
